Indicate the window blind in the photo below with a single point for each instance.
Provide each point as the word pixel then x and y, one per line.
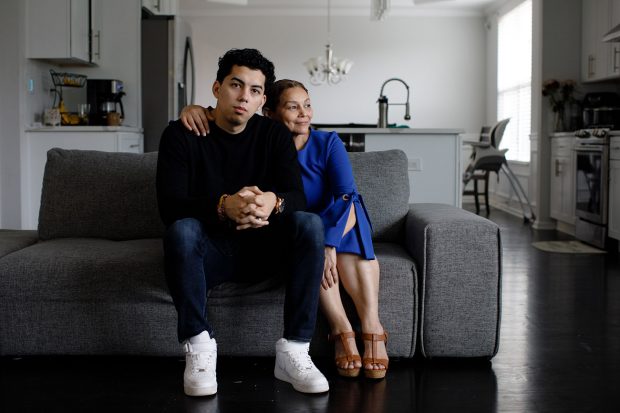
pixel 514 79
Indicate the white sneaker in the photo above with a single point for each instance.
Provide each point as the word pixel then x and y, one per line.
pixel 200 362
pixel 294 365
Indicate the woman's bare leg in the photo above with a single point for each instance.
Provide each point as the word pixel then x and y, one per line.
pixel 360 278
pixel 331 305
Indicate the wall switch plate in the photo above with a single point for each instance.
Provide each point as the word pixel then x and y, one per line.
pixel 415 164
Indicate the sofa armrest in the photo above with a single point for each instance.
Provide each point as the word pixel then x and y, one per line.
pixel 12 240
pixel 459 258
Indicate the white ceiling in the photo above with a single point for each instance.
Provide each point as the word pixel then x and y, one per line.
pixel 338 7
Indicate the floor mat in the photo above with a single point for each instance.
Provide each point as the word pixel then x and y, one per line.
pixel 567 247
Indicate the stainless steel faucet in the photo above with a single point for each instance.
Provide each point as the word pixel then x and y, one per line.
pixel 383 104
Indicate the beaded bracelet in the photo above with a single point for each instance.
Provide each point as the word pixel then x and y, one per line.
pixel 220 208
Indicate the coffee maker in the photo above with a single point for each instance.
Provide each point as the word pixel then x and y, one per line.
pixel 105 99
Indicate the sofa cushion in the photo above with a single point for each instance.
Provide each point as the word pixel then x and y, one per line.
pixel 85 270
pixel 14 240
pixel 99 194
pixel 383 181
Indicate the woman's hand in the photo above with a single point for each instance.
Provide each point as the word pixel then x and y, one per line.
pixel 196 118
pixel 330 272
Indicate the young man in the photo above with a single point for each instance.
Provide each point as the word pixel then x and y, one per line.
pixel 233 208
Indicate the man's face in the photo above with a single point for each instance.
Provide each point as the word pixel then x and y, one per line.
pixel 239 96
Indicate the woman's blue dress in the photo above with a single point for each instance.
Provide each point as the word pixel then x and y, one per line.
pixel 330 191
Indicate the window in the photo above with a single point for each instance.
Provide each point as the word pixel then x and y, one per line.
pixel 514 79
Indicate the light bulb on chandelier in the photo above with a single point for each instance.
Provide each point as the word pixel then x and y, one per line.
pixel 328 69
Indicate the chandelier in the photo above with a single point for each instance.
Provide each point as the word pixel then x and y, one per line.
pixel 327 69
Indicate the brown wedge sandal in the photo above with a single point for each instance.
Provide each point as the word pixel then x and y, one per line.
pixel 349 357
pixel 372 373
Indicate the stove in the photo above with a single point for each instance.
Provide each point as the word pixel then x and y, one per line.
pixel 592 184
pixel 595 136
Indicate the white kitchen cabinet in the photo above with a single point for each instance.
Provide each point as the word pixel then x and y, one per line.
pixel 161 7
pixel 60 30
pixel 600 60
pixel 614 57
pixel 562 182
pixel 613 224
pixel 95 31
pixel 39 141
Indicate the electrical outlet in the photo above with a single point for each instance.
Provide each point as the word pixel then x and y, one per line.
pixel 415 164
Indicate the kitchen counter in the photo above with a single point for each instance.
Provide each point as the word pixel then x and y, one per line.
pixel 130 129
pixel 434 157
pixel 563 135
pixel 401 131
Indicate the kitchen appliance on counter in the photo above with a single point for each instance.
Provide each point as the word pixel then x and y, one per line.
pixel 601 110
pixel 105 99
pixel 592 185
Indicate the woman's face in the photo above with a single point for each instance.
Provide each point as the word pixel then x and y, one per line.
pixel 294 110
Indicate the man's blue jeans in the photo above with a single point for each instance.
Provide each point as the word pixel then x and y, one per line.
pixel 196 261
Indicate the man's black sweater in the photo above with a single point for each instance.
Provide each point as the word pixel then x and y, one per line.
pixel 194 171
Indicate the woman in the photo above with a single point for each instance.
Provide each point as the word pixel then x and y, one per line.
pixel 349 256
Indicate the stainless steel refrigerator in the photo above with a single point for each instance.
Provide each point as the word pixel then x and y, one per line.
pixel 168 75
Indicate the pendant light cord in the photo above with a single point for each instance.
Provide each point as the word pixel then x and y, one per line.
pixel 328 22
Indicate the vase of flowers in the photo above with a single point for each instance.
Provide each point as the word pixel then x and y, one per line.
pixel 560 94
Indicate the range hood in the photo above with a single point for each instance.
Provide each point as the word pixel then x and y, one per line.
pixel 613 35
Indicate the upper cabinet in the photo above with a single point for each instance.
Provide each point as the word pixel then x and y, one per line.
pixel 614 9
pixel 600 60
pixel 161 7
pixel 63 31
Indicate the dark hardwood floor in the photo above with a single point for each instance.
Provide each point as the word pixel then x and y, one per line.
pixel 559 352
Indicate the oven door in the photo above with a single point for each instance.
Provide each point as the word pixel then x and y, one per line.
pixel 591 182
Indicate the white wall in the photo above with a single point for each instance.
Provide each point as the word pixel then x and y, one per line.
pixel 441 58
pixel 11 48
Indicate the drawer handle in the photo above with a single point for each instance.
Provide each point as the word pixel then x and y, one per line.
pixel 137 145
pixel 98 36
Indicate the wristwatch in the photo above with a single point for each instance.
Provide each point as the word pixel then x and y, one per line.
pixel 279 208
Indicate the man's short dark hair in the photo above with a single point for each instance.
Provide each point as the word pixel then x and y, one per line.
pixel 250 58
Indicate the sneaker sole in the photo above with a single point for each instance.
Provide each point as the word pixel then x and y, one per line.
pixel 200 391
pixel 317 388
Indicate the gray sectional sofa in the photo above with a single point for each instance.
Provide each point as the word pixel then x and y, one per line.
pixel 90 280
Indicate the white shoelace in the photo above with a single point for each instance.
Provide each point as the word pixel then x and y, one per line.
pixel 202 361
pixel 301 360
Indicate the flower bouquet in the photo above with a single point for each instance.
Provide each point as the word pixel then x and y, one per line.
pixel 560 94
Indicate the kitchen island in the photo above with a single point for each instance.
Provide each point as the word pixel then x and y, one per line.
pixel 434 159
